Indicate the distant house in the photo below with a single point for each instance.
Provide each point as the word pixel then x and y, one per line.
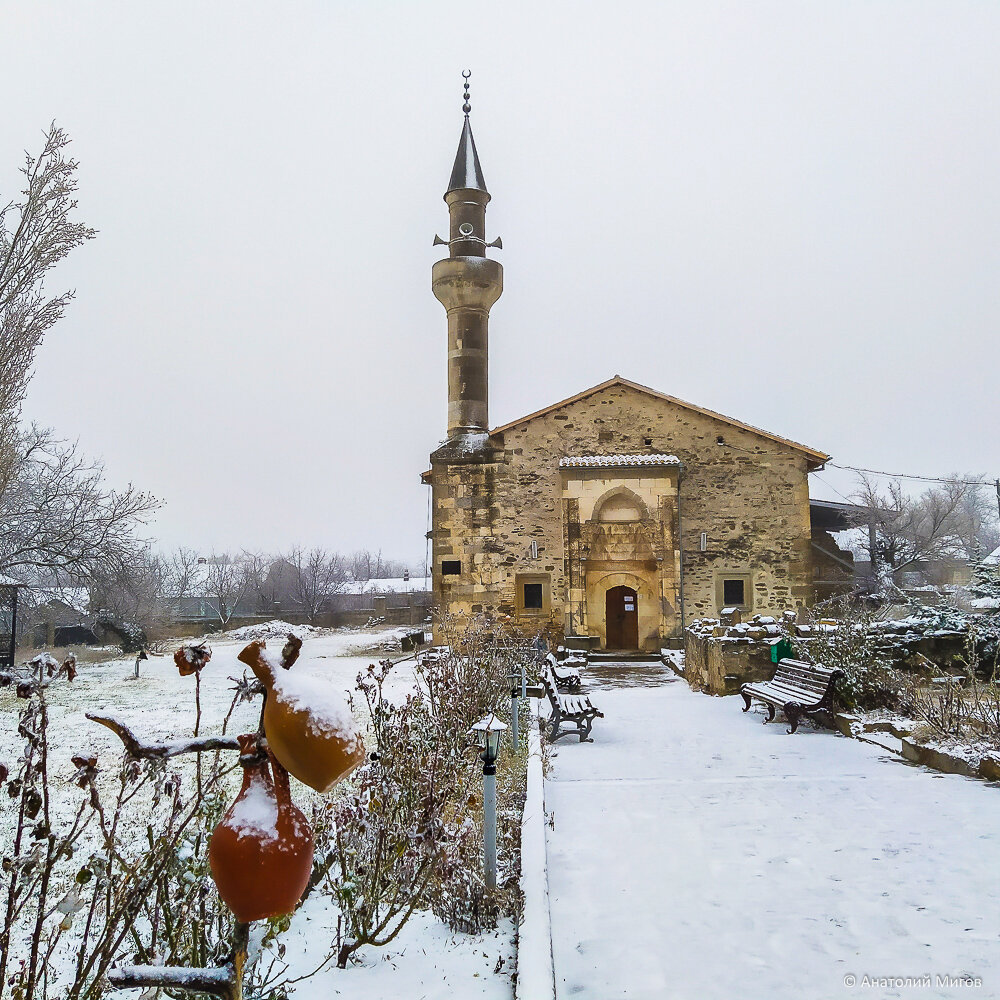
pixel 60 616
pixel 834 568
pixel 382 596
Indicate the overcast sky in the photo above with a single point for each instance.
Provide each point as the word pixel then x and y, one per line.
pixel 787 212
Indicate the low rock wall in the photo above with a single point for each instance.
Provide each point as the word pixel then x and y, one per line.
pixel 720 665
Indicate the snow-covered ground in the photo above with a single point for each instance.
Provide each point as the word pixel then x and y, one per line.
pixel 160 702
pixel 426 960
pixel 697 853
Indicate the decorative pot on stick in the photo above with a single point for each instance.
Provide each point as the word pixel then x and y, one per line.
pixel 261 852
pixel 309 727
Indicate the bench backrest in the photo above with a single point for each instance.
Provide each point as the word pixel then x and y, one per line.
pixel 549 683
pixel 807 676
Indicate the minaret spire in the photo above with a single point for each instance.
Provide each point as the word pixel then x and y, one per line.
pixel 467 283
pixel 467 174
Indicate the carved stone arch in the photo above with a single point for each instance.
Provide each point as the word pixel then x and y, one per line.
pixel 640 583
pixel 616 495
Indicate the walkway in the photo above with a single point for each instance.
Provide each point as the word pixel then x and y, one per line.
pixel 698 854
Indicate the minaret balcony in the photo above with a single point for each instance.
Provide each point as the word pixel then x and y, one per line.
pixel 467 282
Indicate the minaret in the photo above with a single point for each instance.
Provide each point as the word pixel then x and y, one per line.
pixel 467 283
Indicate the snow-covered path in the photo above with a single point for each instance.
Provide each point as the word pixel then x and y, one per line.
pixel 696 853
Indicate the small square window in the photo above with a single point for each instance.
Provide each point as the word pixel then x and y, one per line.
pixel 533 596
pixel 734 593
pixel 451 567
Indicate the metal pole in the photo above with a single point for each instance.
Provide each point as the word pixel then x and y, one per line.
pixel 490 824
pixel 513 719
pixel 13 630
pixel 872 546
pixel 997 481
pixel 680 548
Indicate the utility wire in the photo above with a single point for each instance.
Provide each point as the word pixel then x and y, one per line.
pixel 834 488
pixel 903 475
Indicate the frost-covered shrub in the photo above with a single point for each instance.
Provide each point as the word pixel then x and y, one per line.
pixel 100 873
pixel 408 822
pixel 399 819
pixel 869 681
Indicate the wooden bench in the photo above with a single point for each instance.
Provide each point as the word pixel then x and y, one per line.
pixel 797 688
pixel 574 708
pixel 567 678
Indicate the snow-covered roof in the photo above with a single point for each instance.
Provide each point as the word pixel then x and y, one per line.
pixel 390 585
pixel 615 461
pixel 993 559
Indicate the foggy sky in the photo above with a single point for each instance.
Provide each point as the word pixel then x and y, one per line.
pixel 786 212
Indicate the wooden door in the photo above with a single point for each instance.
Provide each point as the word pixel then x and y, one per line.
pixel 622 618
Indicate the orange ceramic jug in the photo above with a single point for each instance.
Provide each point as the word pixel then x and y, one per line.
pixel 308 724
pixel 262 850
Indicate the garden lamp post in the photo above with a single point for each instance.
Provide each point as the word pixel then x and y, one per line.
pixel 488 731
pixel 516 681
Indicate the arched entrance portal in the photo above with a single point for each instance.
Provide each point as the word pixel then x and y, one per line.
pixel 622 618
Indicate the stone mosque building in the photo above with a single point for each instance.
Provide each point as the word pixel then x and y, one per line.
pixel 618 514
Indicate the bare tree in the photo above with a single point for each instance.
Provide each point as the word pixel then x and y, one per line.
pixel 59 516
pixel 229 580
pixel 365 565
pixel 904 531
pixel 132 590
pixel 185 573
pixel 60 522
pixel 316 575
pixel 977 529
pixel 36 233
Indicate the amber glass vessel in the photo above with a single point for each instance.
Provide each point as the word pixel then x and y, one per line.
pixel 262 850
pixel 308 725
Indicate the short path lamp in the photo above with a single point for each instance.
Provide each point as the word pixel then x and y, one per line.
pixel 488 731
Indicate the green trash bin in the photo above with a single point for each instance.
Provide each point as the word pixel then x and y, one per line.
pixel 781 650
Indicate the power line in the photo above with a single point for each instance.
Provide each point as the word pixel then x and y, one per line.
pixel 903 475
pixel 832 487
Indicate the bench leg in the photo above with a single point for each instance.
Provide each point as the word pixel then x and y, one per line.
pixel 792 712
pixel 770 712
pixel 555 727
pixel 746 698
pixel 585 725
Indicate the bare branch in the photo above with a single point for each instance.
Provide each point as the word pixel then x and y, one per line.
pixel 137 749
pixel 219 982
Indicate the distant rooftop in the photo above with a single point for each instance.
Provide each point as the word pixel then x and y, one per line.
pixel 615 461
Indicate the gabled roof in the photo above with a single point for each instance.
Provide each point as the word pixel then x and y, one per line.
pixel 815 458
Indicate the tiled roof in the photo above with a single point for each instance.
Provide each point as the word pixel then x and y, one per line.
pixel 615 461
